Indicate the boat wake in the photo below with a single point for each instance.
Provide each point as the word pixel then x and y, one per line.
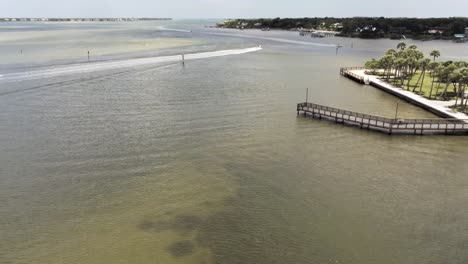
pixel 290 41
pixel 111 65
pixel 173 29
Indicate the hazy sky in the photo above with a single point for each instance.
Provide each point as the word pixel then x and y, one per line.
pixel 231 8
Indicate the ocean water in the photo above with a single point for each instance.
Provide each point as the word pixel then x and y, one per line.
pixel 207 162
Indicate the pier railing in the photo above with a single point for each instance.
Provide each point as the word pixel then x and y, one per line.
pixel 352 68
pixel 384 124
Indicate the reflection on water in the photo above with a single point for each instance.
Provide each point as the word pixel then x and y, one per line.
pixel 208 163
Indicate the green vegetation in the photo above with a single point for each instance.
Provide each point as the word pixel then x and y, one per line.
pixel 409 69
pixel 364 27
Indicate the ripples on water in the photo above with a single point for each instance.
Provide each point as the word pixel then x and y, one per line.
pixel 208 163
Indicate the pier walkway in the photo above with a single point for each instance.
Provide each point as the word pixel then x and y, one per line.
pixel 447 126
pixel 436 107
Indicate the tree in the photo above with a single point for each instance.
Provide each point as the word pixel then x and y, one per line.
pixel 372 65
pixel 401 46
pixel 391 52
pixel 387 62
pixel 435 54
pixel 456 77
pixel 433 67
pixel 447 74
pixel 424 64
pixel 464 81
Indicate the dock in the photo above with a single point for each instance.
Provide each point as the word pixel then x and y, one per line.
pixel 446 126
pixel 317 33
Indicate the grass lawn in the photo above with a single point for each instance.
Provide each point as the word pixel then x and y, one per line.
pixel 460 108
pixel 426 88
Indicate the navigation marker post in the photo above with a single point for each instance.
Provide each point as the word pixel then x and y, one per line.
pixel 338 46
pixel 396 111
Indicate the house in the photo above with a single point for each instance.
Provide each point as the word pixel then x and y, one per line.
pixel 435 31
pixel 369 31
pixel 460 38
pixel 337 26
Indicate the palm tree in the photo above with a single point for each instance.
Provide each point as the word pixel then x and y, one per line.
pixel 402 65
pixel 435 54
pixel 399 64
pixel 390 52
pixel 386 62
pixel 433 67
pixel 440 72
pixel 401 46
pixel 411 65
pixel 464 81
pixel 423 63
pixel 448 74
pixel 456 77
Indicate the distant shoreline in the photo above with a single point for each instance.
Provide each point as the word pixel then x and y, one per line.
pixel 122 19
pixel 451 28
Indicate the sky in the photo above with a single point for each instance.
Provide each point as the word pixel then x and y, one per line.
pixel 232 8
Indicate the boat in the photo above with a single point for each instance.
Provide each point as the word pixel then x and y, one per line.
pixel 316 34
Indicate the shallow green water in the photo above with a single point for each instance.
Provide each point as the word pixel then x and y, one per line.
pixel 208 163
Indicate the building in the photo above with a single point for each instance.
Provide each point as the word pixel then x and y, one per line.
pixel 435 32
pixel 397 30
pixel 460 38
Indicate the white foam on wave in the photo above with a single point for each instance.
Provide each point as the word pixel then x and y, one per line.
pixel 110 65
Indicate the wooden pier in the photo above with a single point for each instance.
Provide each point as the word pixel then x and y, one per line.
pixel 348 72
pixel 385 125
pixel 358 74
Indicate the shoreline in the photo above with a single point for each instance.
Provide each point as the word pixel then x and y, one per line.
pixel 338 34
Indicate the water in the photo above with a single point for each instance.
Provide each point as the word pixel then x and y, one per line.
pixel 208 163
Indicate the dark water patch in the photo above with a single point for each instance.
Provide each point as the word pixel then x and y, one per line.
pixel 181 248
pixel 254 227
pixel 208 203
pixel 181 224
pixel 186 223
pixel 146 225
pixel 230 201
pixel 153 226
